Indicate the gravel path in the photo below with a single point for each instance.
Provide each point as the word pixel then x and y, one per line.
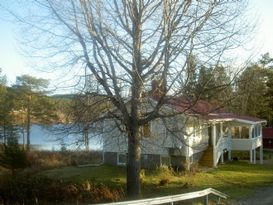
pixel 263 196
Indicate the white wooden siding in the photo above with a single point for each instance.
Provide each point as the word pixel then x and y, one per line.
pixel 162 138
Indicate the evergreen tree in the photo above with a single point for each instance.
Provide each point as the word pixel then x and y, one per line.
pixel 214 84
pixel 6 110
pixel 32 103
pixel 191 77
pixel 254 90
pixel 12 156
pixel 269 98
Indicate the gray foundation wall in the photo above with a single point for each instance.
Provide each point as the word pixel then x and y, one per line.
pixel 148 161
pixel 110 158
pixel 152 161
pixel 197 156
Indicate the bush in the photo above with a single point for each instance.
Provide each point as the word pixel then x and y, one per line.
pixel 164 182
pixel 22 190
pixel 164 170
pixel 142 176
pixel 47 159
pixel 194 168
pixel 13 157
pixel 53 159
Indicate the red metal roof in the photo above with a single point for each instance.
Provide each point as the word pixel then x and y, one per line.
pixel 220 116
pixel 268 132
pixel 200 107
pixel 206 110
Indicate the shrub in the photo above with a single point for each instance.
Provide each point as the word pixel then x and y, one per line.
pixel 164 182
pixel 142 176
pixel 13 157
pixel 194 168
pixel 164 170
pixel 31 190
pixel 53 159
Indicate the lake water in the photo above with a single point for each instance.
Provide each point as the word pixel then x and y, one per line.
pixel 54 138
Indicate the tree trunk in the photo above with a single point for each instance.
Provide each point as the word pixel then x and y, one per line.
pixel 133 164
pixel 28 127
pixel 4 134
pixel 85 138
pixel 23 136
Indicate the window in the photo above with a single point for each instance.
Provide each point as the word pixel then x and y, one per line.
pixel 122 159
pixel 235 132
pixel 245 132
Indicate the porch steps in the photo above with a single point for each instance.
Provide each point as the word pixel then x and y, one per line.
pixel 207 159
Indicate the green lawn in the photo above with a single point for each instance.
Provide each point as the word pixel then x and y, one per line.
pixel 237 179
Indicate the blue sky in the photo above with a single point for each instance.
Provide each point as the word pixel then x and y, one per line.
pixel 14 64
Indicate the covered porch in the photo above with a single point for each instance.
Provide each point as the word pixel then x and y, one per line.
pixel 234 133
pixel 248 138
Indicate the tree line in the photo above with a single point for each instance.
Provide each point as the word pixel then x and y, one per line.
pixel 247 92
pixel 22 104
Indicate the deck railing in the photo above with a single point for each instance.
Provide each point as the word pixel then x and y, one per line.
pixel 224 143
pixel 246 144
pixel 174 198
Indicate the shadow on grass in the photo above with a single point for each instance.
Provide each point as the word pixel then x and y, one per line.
pixel 237 179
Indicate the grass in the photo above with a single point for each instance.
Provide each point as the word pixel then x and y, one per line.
pixel 237 179
pixel 102 174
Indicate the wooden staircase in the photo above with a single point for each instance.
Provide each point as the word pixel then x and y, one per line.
pixel 207 159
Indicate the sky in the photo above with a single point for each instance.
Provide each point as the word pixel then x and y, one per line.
pixel 13 63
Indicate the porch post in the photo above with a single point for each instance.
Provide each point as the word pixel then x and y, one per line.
pixel 251 151
pixel 221 129
pixel 230 138
pixel 261 147
pixel 250 131
pixel 250 156
pixel 254 156
pixel 261 155
pixel 214 144
pixel 214 135
pixel 188 155
pixel 229 155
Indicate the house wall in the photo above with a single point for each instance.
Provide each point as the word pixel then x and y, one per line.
pixel 268 137
pixel 268 143
pixel 161 142
pixel 157 143
pixel 197 136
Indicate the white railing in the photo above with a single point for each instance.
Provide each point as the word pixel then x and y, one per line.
pixel 246 144
pixel 173 198
pixel 222 144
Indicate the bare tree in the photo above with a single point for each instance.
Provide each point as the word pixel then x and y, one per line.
pixel 126 44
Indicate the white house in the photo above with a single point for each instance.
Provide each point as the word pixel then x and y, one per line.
pixel 201 134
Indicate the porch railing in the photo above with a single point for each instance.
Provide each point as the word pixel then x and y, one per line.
pixel 174 198
pixel 246 144
pixel 222 144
